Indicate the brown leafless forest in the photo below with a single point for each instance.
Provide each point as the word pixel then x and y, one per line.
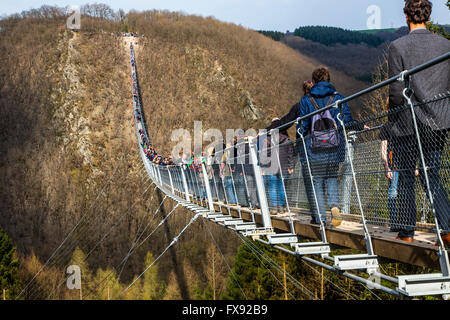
pixel 68 155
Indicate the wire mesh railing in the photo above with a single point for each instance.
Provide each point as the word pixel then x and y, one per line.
pixel 288 183
pixel 288 190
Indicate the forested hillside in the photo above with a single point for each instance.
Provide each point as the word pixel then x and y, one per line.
pixel 191 68
pixel 69 160
pixel 356 53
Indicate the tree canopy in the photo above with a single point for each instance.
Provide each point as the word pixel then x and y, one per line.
pixel 332 35
pixel 275 35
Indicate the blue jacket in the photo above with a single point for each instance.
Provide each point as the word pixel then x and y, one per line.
pixel 321 92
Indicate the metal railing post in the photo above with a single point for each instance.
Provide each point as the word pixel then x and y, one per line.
pixel 194 178
pixel 217 189
pixel 347 179
pixel 159 175
pixel 185 185
pixel 208 188
pixel 215 183
pixel 260 189
pixel 367 236
pixel 153 170
pixel 225 195
pixel 171 181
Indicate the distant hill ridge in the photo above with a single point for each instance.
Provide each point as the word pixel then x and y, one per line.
pixel 357 53
pixel 332 35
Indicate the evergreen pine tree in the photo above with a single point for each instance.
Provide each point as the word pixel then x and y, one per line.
pixel 253 276
pixel 9 266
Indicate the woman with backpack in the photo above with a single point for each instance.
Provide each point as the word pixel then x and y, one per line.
pixel 325 143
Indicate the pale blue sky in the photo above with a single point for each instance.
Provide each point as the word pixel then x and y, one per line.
pixel 278 15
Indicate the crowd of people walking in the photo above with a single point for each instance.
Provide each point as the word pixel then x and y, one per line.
pixel 147 147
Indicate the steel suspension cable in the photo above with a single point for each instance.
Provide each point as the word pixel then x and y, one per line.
pixel 135 245
pixel 263 264
pixel 299 285
pixel 101 240
pixel 76 238
pixel 82 230
pixel 330 281
pixel 70 233
pixel 226 262
pixel 296 283
pixel 175 240
pixel 132 250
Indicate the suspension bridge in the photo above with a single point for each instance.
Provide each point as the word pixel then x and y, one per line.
pixel 234 190
pixel 366 222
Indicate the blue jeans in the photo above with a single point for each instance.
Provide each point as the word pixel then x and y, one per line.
pixel 203 194
pixel 274 185
pixel 325 176
pixel 230 190
pixel 392 201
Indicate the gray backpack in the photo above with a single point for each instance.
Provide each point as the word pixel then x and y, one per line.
pixel 324 132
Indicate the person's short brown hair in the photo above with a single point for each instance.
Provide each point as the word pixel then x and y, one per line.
pixel 418 11
pixel 321 74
